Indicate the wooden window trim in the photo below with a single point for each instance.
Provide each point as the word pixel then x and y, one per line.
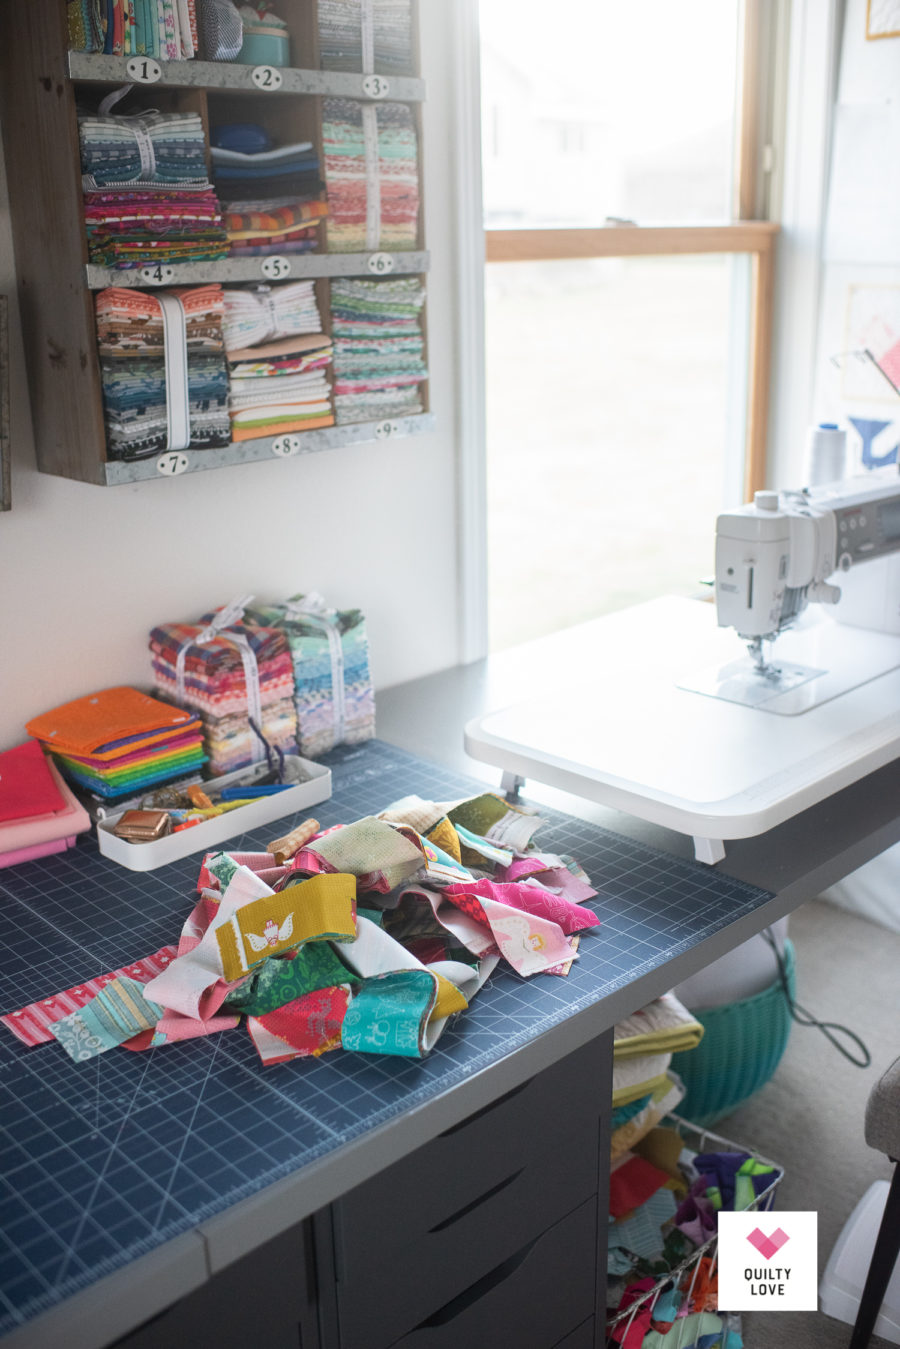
pixel 754 237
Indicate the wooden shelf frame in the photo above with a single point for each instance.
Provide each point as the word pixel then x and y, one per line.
pixel 756 238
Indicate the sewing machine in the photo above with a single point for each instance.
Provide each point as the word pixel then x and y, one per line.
pixel 774 558
pixel 624 725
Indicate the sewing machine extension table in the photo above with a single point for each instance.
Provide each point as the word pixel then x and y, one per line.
pixel 189 1192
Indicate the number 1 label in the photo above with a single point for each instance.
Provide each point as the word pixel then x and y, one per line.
pixel 143 70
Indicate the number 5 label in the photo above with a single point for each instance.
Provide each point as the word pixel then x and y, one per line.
pixel 276 268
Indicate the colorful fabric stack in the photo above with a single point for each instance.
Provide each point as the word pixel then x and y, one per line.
pixel 370 939
pixel 366 35
pixel 166 29
pixel 334 697
pixel 378 348
pixel 224 673
pixel 279 385
pixel 272 195
pixel 372 176
pixel 119 741
pixel 147 198
pixel 38 813
pixel 131 335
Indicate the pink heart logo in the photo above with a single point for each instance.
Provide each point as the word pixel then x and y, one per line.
pixel 768 1246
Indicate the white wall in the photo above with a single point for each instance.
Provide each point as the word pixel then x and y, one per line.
pixel 86 571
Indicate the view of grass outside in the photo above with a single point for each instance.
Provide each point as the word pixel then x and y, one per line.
pixel 606 431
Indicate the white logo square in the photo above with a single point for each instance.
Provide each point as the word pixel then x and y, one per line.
pixel 768 1261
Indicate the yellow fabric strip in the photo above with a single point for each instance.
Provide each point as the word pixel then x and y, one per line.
pixel 321 908
pixel 449 999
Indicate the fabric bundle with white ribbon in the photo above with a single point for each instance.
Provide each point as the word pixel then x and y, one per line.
pixel 334 697
pixel 236 676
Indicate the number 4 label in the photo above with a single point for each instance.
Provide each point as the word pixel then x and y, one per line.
pixel 158 275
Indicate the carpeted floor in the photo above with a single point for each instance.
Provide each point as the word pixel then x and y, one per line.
pixel 809 1117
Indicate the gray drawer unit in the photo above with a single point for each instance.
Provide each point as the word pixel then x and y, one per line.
pixel 266 1298
pixel 439 1181
pixel 526 1302
pixel 582 1337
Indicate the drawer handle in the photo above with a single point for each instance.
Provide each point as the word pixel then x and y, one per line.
pixel 478 1290
pixel 476 1203
pixel 486 1109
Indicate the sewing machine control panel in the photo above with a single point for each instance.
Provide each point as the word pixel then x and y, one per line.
pixel 867 530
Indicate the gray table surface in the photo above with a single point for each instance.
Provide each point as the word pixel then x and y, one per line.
pixel 426 717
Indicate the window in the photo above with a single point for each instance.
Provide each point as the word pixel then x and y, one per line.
pixel 627 295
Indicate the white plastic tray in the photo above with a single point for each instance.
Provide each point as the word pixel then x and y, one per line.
pixel 315 786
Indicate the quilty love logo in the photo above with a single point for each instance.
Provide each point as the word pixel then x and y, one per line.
pixel 768 1246
pixel 748 1284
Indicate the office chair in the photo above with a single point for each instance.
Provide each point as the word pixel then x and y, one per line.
pixel 883 1134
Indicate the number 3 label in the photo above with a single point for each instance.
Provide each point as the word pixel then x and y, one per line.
pixel 276 268
pixel 375 86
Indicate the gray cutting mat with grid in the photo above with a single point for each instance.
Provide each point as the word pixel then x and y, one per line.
pixel 103 1161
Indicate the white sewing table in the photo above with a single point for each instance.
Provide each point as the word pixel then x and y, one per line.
pixel 615 726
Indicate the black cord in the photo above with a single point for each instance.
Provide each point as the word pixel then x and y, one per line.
pixel 805 1018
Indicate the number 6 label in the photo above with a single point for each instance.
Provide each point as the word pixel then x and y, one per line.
pixel 380 263
pixel 276 268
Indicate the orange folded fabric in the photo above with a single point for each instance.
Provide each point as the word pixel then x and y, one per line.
pixel 100 724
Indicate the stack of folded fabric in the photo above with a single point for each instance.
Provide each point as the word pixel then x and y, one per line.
pixel 119 741
pixel 378 348
pixel 277 358
pixel 38 813
pixel 372 175
pixel 382 40
pixel 334 697
pixel 213 680
pixel 166 29
pixel 147 198
pixel 131 335
pixel 272 195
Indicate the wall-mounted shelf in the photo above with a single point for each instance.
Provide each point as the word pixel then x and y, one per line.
pixel 170 465
pixel 96 69
pixel 43 85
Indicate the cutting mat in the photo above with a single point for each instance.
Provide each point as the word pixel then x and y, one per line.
pixel 102 1162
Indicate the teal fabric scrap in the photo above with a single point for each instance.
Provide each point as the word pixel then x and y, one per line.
pixel 117 1013
pixel 375 916
pixel 623 1113
pixel 640 1233
pixel 389 1014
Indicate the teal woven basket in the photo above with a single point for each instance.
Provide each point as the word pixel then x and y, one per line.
pixel 741 1047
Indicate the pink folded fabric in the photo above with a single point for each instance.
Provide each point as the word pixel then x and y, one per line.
pixel 533 899
pixel 69 819
pixel 9 859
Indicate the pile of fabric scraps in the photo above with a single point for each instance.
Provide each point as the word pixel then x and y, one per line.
pixel 381 41
pixel 166 29
pixel 369 939
pixel 272 196
pixel 379 348
pixel 664 1197
pixel 333 693
pixel 372 175
pixel 38 813
pixel 277 360
pixel 232 675
pixel 132 340
pixel 147 198
pixel 119 741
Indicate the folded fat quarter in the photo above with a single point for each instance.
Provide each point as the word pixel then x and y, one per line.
pixel 663 1026
pixel 90 724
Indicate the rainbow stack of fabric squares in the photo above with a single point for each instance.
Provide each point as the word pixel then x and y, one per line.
pixel 214 684
pixel 120 741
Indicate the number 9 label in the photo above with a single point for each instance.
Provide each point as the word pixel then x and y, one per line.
pixel 384 430
pixel 276 268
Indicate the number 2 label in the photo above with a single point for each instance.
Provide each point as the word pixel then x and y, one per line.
pixel 266 77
